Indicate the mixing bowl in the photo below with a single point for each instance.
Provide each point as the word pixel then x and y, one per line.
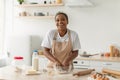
pixel 62 69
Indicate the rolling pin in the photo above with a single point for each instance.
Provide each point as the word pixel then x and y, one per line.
pixel 110 71
pixel 85 72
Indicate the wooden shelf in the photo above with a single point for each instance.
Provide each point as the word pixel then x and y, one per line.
pixel 35 17
pixel 39 5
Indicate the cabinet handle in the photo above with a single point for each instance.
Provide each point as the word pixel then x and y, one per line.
pixel 82 62
pixel 75 62
pixel 107 64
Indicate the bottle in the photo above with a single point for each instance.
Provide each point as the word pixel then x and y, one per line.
pixel 18 63
pixel 35 60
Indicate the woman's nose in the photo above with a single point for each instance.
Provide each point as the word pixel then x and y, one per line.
pixel 60 22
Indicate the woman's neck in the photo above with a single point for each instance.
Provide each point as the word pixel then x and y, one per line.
pixel 62 33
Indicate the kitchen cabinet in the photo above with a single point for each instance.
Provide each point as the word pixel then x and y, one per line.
pixel 30 10
pixel 86 63
pixel 111 65
pixel 79 64
pixel 98 63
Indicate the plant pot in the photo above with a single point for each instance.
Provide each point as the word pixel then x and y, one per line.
pixel 20 2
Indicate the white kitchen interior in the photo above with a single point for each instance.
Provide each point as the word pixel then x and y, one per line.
pixel 97 24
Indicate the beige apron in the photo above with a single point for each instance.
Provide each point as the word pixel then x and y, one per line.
pixel 61 50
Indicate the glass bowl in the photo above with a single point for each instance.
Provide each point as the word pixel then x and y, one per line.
pixel 63 70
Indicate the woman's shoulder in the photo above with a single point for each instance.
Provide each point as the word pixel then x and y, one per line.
pixel 73 32
pixel 51 32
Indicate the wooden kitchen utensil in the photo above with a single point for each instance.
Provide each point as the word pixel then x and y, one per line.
pixel 114 51
pixel 85 72
pixel 110 71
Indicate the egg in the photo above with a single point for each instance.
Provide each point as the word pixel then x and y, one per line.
pixel 106 78
pixel 93 76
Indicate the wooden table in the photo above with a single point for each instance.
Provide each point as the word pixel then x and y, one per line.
pixel 8 73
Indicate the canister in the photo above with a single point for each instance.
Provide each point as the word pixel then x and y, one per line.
pixel 58 1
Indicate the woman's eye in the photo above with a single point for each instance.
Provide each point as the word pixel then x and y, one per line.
pixel 62 19
pixel 58 20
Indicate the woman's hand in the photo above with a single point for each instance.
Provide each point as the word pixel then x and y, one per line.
pixel 69 59
pixel 58 63
pixel 65 63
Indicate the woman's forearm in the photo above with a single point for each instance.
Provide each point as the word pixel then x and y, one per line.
pixel 74 55
pixel 70 58
pixel 49 55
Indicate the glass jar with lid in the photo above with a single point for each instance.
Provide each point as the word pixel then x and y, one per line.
pixel 18 63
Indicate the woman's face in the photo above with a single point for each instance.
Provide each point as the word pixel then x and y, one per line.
pixel 61 22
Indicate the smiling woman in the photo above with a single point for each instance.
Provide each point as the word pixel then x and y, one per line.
pixel 1 25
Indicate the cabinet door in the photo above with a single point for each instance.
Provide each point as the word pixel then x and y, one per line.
pixel 81 64
pixel 97 65
pixel 111 65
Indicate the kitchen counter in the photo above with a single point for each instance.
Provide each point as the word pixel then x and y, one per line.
pixel 8 73
pixel 98 58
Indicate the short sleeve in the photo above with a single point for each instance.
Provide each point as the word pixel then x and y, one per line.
pixel 76 42
pixel 46 41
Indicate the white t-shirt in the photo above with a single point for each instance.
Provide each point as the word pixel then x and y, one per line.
pixel 47 42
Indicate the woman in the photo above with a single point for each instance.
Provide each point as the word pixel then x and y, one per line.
pixel 62 44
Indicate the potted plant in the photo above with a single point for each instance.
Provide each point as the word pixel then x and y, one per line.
pixel 20 1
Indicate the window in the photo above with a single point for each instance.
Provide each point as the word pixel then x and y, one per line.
pixel 1 25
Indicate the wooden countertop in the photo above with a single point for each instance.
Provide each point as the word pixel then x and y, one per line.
pixel 98 58
pixel 8 73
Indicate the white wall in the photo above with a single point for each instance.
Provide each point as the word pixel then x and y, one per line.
pixel 1 25
pixel 98 27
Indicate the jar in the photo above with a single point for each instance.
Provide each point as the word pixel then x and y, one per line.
pixel 18 63
pixel 23 13
pixel 58 1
